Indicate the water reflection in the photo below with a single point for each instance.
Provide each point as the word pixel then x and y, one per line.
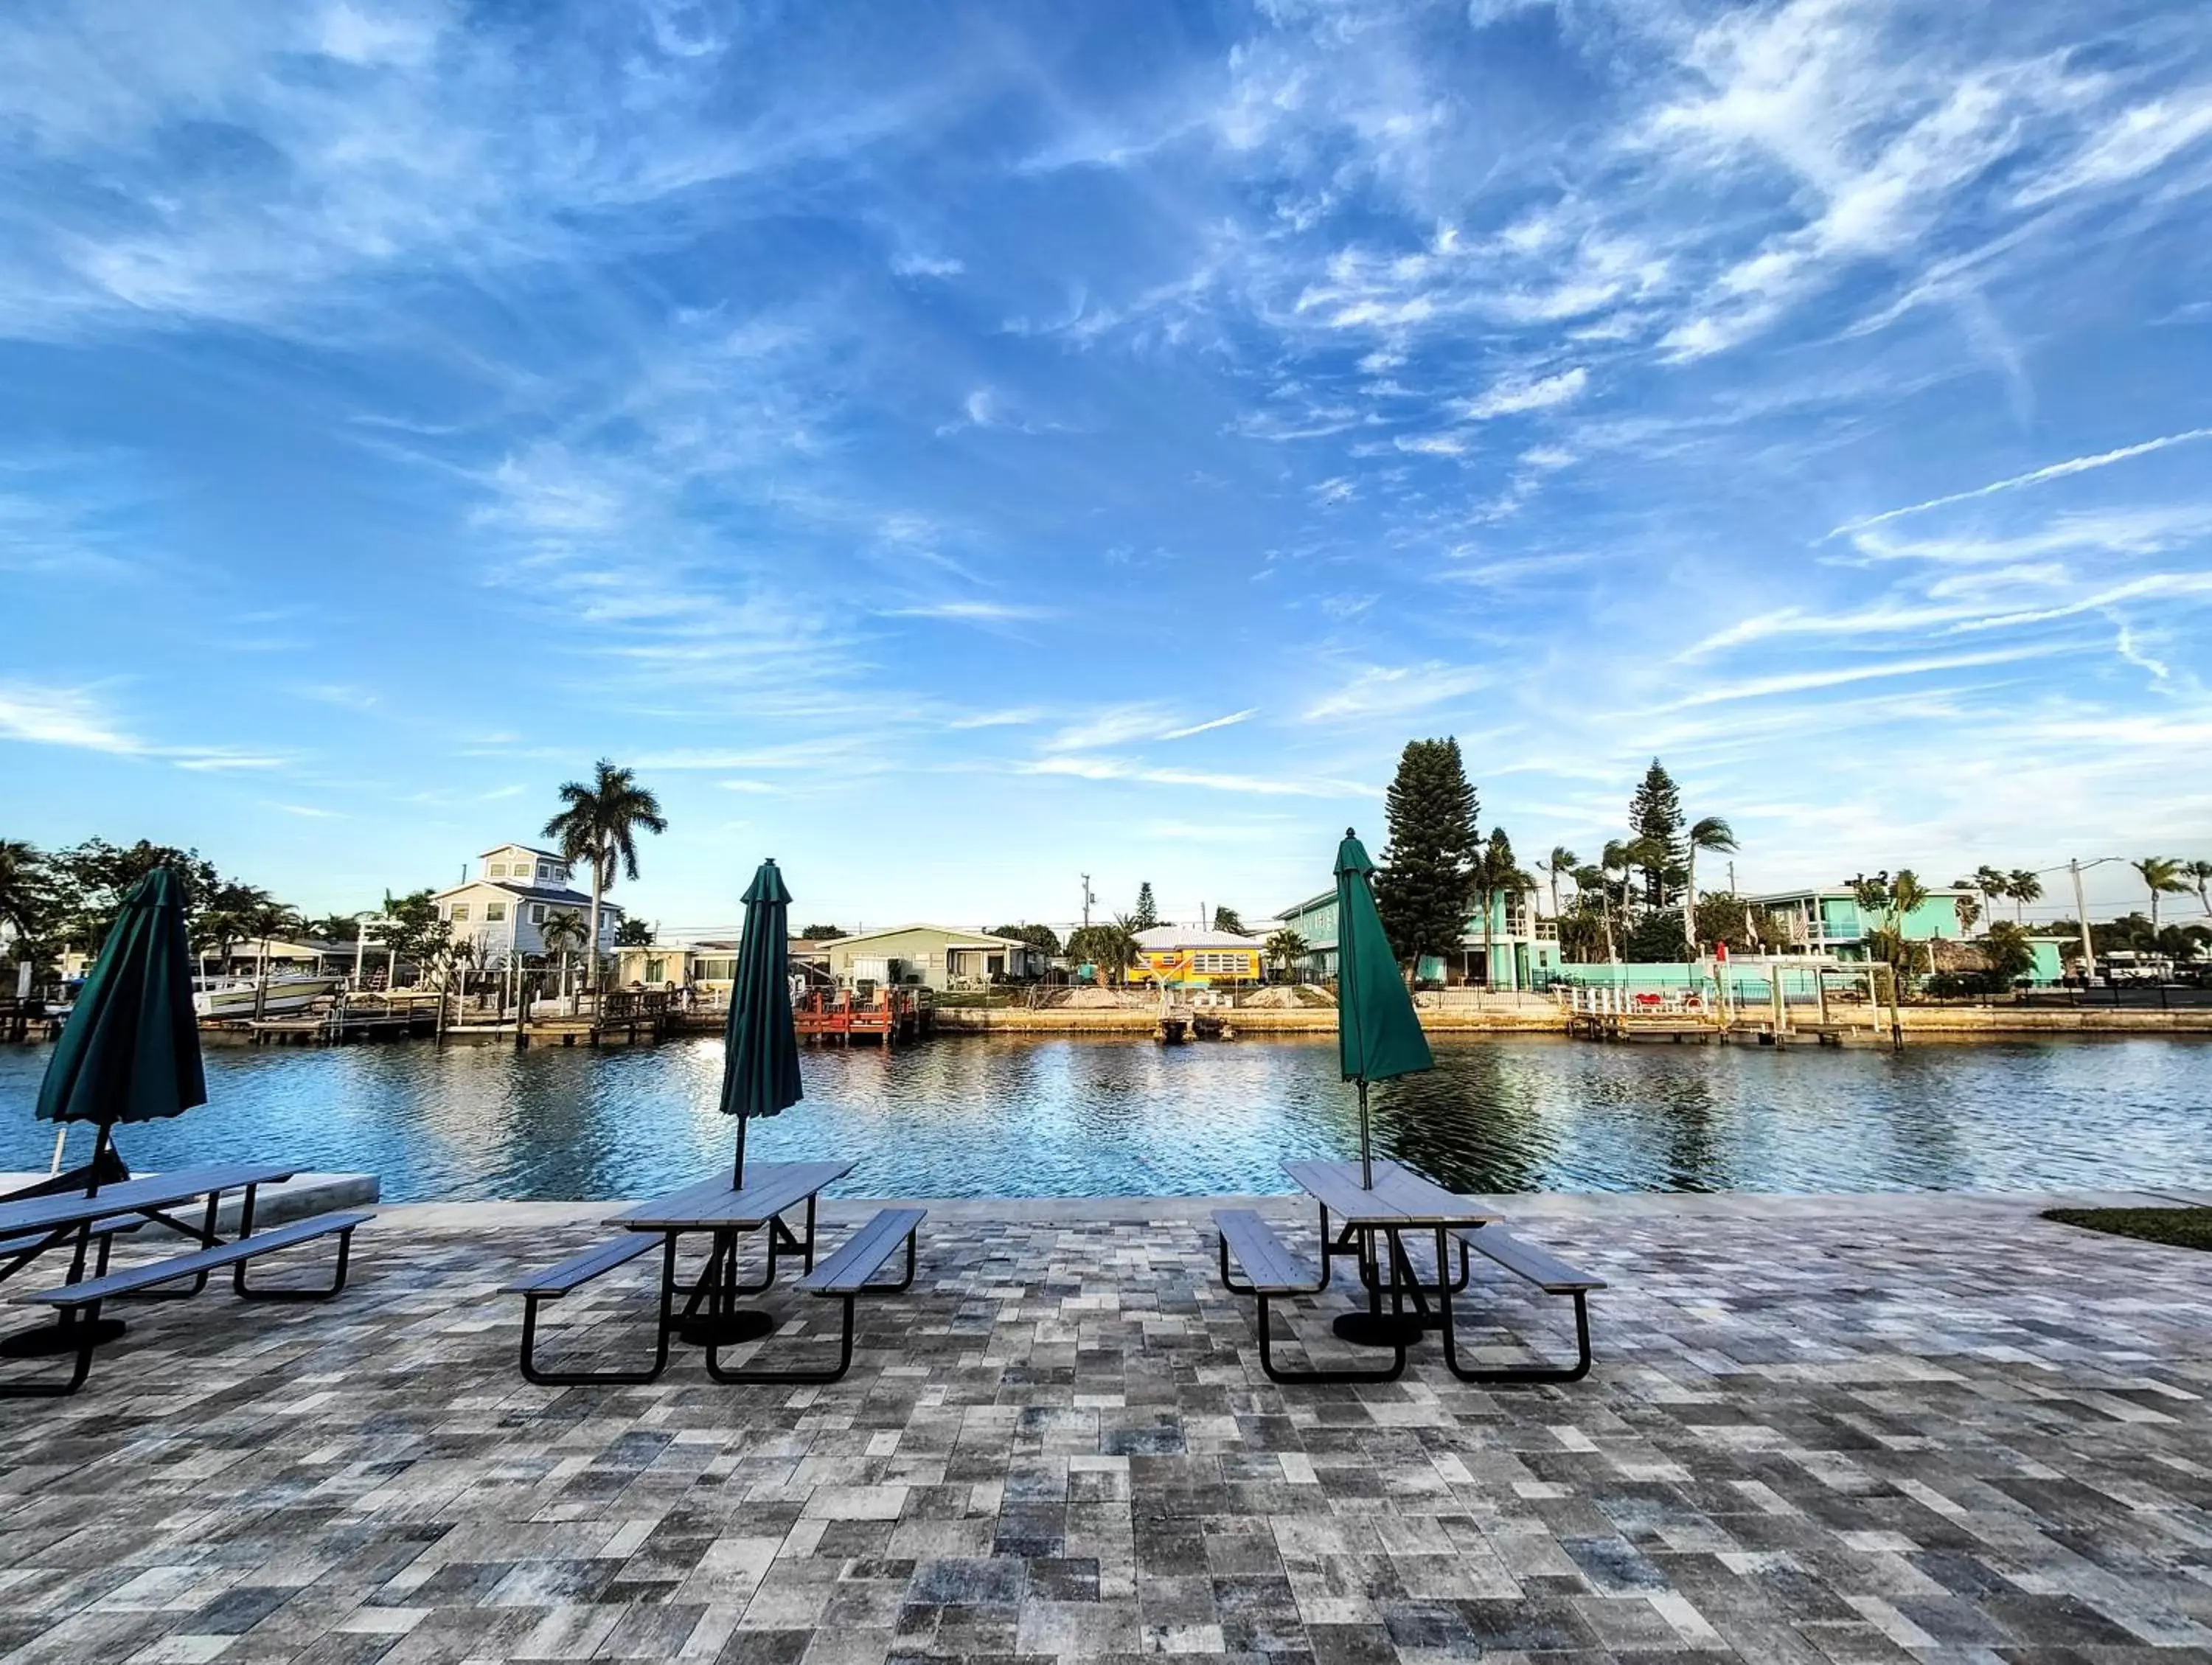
pixel 1097 1117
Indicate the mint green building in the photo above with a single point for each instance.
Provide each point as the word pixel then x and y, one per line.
pixel 1524 950
pixel 1831 922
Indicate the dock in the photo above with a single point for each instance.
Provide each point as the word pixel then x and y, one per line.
pixel 893 1016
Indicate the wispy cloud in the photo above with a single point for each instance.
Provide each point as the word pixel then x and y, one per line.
pixel 1232 719
pixel 2034 477
pixel 1397 690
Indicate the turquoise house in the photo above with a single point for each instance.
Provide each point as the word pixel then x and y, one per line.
pixel 1829 921
pixel 1523 951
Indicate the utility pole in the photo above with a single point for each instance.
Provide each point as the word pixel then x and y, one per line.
pixel 2081 918
pixel 1088 899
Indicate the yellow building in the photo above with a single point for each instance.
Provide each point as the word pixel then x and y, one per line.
pixel 1195 959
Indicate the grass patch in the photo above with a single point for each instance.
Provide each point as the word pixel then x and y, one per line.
pixel 2179 1228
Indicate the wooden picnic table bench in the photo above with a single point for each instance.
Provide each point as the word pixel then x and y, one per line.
pixel 36 1225
pixel 714 1207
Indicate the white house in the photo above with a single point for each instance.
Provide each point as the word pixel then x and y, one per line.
pixel 505 907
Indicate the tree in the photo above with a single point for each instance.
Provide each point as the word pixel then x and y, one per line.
pixel 229 916
pixel 1426 886
pixel 1654 820
pixel 826 933
pixel 1286 948
pixel 1656 860
pixel 1725 917
pixel 1226 918
pixel 1147 915
pixel 2010 954
pixel 413 930
pixel 1563 860
pixel 563 933
pixel 1967 909
pixel 1597 881
pixel 1497 874
pixel 1655 939
pixel 1111 946
pixel 1995 885
pixel 266 921
pixel 1708 833
pixel 2161 876
pixel 1037 936
pixel 1890 902
pixel 90 881
pixel 2023 887
pixel 600 826
pixel 635 932
pixel 23 898
pixel 2199 874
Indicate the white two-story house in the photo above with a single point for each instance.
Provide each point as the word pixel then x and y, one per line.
pixel 503 909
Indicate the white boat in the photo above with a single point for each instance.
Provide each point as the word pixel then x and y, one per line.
pixel 234 997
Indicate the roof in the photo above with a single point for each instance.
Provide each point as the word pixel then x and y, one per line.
pixel 1165 938
pixel 550 855
pixel 529 893
pixel 1842 893
pixel 966 938
pixel 1308 905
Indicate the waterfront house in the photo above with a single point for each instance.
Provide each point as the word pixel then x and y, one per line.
pixel 503 909
pixel 1522 949
pixel 933 956
pixel 1196 958
pixel 1829 921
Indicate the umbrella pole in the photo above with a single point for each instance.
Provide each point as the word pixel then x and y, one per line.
pixel 737 1173
pixel 1366 1142
pixel 61 1139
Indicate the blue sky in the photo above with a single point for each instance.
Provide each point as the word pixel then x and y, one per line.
pixel 953 447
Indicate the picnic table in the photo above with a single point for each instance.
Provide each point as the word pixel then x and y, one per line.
pixel 33 1227
pixel 726 1214
pixel 1373 1221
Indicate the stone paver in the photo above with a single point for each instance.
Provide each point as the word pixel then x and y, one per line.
pixel 1819 1430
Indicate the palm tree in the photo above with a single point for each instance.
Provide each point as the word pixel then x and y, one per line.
pixel 562 934
pixel 2162 876
pixel 1967 909
pixel 600 826
pixel 23 894
pixel 2199 874
pixel 2023 887
pixel 1496 874
pixel 1711 834
pixel 1564 860
pixel 1613 859
pixel 267 920
pixel 1995 885
pixel 1286 948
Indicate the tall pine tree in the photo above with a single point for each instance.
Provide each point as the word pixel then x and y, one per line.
pixel 1148 913
pixel 1425 888
pixel 1655 818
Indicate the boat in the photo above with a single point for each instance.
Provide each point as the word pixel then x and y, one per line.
pixel 231 998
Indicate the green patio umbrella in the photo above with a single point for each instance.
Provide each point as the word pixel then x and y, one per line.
pixel 1378 1035
pixel 131 1049
pixel 131 1052
pixel 760 1069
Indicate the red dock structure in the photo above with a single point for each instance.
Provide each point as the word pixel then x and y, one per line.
pixel 892 1015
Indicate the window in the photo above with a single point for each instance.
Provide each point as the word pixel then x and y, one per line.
pixel 493 912
pixel 497 870
pixel 547 872
pixel 460 912
pixel 537 913
pixel 717 968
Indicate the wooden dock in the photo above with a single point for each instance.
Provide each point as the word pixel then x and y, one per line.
pixel 895 1015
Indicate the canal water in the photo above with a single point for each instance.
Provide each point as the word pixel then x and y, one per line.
pixel 978 1117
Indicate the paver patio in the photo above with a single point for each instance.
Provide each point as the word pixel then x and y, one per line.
pixel 1819 1429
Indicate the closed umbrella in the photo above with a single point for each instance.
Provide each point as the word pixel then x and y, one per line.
pixel 131 1050
pixel 760 1077
pixel 1377 1034
pixel 760 1067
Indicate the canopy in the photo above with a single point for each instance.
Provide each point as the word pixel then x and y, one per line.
pixel 760 1069
pixel 131 1049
